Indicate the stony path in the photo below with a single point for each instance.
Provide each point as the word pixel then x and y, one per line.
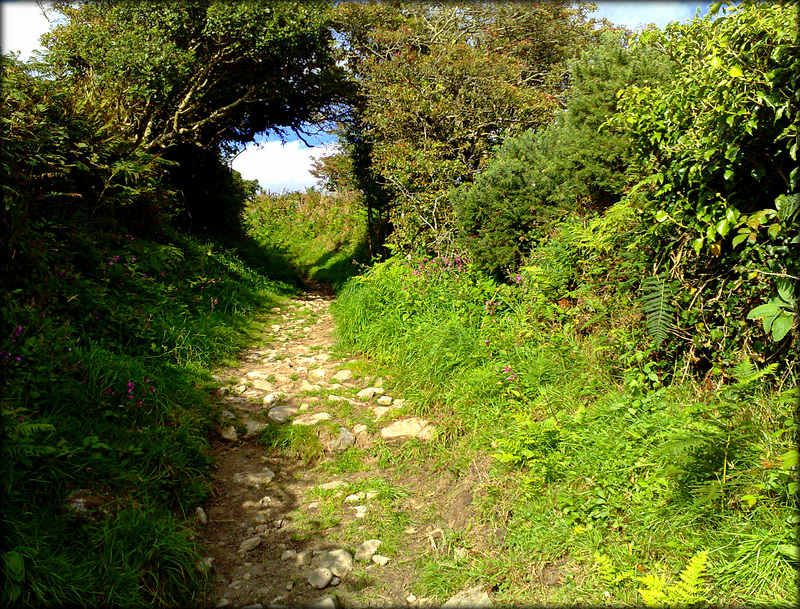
pixel 324 519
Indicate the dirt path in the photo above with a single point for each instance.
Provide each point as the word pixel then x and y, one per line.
pixel 357 470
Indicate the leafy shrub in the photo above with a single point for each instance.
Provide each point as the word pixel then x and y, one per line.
pixel 572 164
pixel 110 320
pixel 718 179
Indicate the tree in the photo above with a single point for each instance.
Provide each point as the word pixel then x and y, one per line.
pixel 574 164
pixel 201 72
pixel 442 83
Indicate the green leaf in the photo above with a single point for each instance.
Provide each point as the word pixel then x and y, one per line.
pixel 729 173
pixel 781 326
pixel 785 290
pixel 769 309
pixel 790 458
pixel 658 309
pixel 661 215
pixel 789 550
pixel 750 499
pixel 14 565
pixel 739 238
pixel 736 72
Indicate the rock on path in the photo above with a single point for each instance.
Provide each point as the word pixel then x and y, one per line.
pixel 291 380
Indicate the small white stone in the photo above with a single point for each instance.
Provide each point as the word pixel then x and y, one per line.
pixel 320 578
pixel 201 515
pixel 251 544
pixel 343 375
pixel 361 511
pixel 254 478
pixel 340 562
pixel 229 433
pixel 379 560
pixel 311 419
pixel 352 498
pixel 384 400
pixel 367 549
pixel 412 426
pixel 288 554
pixel 326 602
pixel 306 386
pixel 303 558
pixel 328 486
pixel 281 414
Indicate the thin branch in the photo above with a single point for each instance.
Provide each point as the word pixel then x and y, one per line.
pixel 781 275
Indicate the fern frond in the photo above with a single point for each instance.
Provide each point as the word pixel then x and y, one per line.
pixel 653 594
pixel 688 591
pixel 690 588
pixel 606 569
pixel 658 308
pixel 745 372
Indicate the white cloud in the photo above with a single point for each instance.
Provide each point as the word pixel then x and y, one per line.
pixel 278 166
pixel 636 14
pixel 22 24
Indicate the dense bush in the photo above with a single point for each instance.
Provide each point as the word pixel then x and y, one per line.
pixel 110 321
pixel 573 164
pixel 717 158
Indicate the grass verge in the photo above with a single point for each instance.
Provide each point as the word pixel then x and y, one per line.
pixel 613 482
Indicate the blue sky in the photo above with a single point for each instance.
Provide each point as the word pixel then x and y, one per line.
pixel 276 166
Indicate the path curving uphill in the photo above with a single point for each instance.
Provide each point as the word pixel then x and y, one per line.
pixel 313 502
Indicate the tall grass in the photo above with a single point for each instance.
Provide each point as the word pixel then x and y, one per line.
pixel 105 411
pixel 599 449
pixel 323 237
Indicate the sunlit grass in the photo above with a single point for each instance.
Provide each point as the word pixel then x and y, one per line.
pixel 590 456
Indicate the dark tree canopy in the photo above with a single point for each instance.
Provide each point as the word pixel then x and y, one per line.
pixel 442 83
pixel 199 72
